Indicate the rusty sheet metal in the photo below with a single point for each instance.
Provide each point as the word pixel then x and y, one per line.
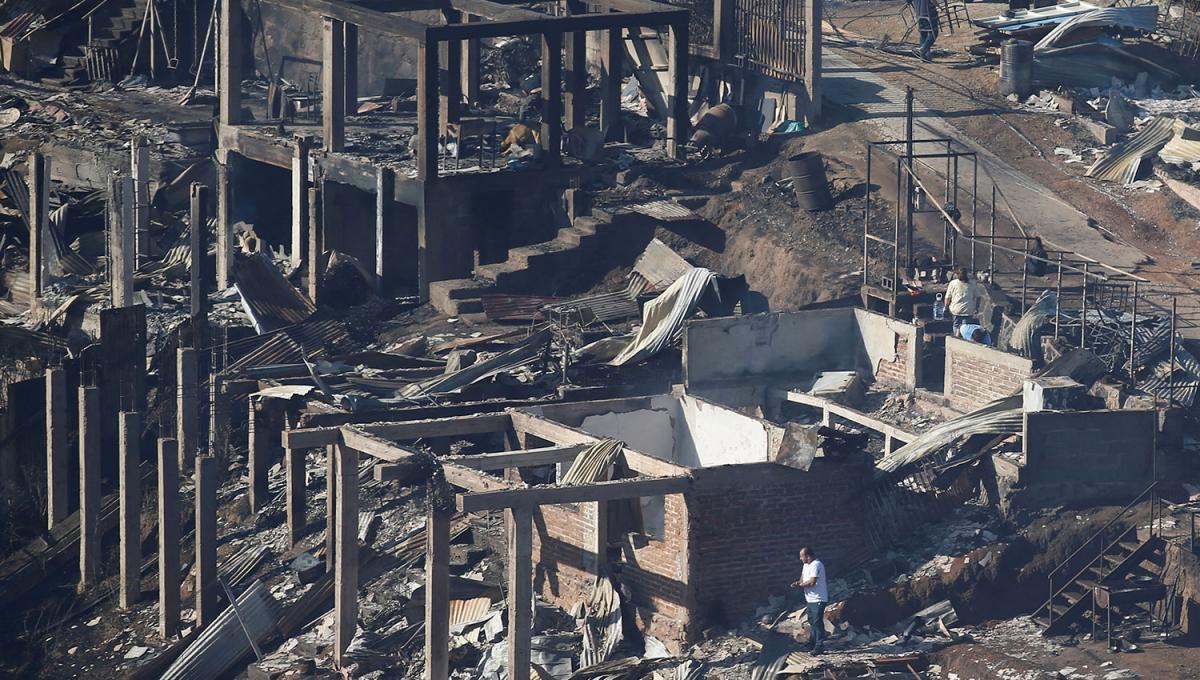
pixel 665 210
pixel 315 338
pixel 659 266
pixel 463 612
pixel 516 307
pixel 269 300
pixel 602 307
pixel 22 340
pixel 1121 163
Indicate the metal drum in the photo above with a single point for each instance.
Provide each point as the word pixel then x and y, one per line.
pixel 1016 68
pixel 807 172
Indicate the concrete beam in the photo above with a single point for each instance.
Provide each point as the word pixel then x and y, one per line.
pixel 333 84
pixel 427 112
pixel 300 185
pixel 331 491
pixel 168 538
pixel 139 162
pixel 437 595
pixel 345 575
pixel 350 67
pixel 187 408
pixel 316 245
pixel 39 223
pixel 218 422
pixel 198 243
pixel 584 493
pixel 206 540
pixel 385 207
pixel 612 69
pixel 347 12
pixel 449 82
pixel 549 24
pixel 229 62
pixel 129 585
pixel 550 455
pixel 57 457
pixel 294 462
pixel 263 424
pixel 575 96
pixel 551 98
pixel 121 250
pixel 470 65
pixel 225 179
pixel 89 486
pixel 520 590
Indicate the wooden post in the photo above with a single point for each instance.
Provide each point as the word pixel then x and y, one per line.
pixel 812 57
pixel 187 385
pixel 89 485
pixel 385 206
pixel 57 489
pixel 39 223
pixel 552 98
pixel 437 595
pixel 206 540
pixel 140 169
pixel 294 461
pixel 331 531
pixel 610 85
pixel 121 252
pixel 225 177
pixel 333 89
pixel 168 538
pixel 315 245
pixel 130 584
pixel 350 67
pixel 470 65
pixel 520 590
pixel 427 111
pixel 345 575
pixel 229 60
pixel 199 252
pixel 677 96
pixel 300 171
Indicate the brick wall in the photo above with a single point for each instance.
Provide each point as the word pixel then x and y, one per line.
pixel 748 522
pixel 977 374
pixel 895 372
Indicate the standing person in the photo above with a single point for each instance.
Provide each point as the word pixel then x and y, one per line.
pixel 927 23
pixel 816 596
pixel 962 298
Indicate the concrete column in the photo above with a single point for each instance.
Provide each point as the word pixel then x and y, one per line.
pixel 612 59
pixel 333 84
pixel 262 421
pixel 599 544
pixel 677 94
pixel 427 111
pixel 300 171
pixel 724 31
pixel 345 575
pixel 229 61
pixel 121 252
pixel 437 595
pixel 813 10
pixel 331 531
pixel 218 423
pixel 57 457
pixel 316 245
pixel 39 223
pixel 206 540
pixel 187 410
pixel 520 590
pixel 575 97
pixel 89 486
pixel 552 98
pixel 449 82
pixel 139 153
pixel 385 206
pixel 198 243
pixel 168 538
pixel 294 461
pixel 350 67
pixel 470 65
pixel 130 584
pixel 225 178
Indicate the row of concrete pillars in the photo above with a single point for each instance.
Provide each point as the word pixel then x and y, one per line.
pixel 175 457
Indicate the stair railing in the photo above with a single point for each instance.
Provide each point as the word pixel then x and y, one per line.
pixel 1102 544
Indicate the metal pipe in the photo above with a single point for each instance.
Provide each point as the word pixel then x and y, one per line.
pixel 1171 376
pixel 974 207
pixel 867 220
pixel 1083 316
pixel 1133 337
pixel 992 240
pixel 908 155
pixel 1058 298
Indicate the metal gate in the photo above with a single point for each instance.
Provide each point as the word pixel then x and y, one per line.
pixel 770 37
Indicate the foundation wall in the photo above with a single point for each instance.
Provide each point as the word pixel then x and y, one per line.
pixel 977 374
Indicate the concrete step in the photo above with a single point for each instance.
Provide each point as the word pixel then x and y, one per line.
pixel 458 296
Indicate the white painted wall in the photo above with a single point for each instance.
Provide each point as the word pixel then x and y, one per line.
pixel 708 435
pixel 650 431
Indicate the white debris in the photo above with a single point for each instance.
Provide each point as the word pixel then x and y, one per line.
pixel 136 652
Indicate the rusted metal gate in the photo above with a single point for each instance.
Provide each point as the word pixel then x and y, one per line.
pixel 770 37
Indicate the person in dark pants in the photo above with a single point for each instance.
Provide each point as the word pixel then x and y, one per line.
pixel 927 23
pixel 816 596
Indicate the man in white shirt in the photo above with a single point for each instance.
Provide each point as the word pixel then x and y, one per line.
pixel 962 298
pixel 816 596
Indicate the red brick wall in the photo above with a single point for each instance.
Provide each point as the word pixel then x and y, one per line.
pixel 748 523
pixel 976 374
pixel 895 372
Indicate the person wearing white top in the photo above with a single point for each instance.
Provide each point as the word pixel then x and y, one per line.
pixel 816 596
pixel 962 298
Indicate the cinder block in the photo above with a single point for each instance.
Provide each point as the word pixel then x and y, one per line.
pixel 1052 394
pixel 1103 132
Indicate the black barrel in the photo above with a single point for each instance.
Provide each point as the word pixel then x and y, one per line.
pixel 714 126
pixel 1016 68
pixel 807 172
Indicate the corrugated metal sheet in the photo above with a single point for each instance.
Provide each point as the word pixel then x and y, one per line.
pixel 1028 19
pixel 1139 17
pixel 20 25
pixel 224 642
pixel 1184 147
pixel 516 307
pixel 315 338
pixel 665 210
pixel 594 464
pixel 269 300
pixel 527 351
pixel 603 307
pixel 659 266
pixel 463 612
pixel 1121 163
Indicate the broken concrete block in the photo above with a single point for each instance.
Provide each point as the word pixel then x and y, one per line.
pixel 1103 132
pixel 1056 393
pixel 1118 113
pixel 843 387
pixel 308 568
pixel 1112 395
pixel 1141 85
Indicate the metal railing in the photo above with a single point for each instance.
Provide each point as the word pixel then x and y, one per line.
pixel 1099 541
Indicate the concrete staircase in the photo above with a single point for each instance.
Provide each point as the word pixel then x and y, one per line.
pixel 541 268
pixel 116 25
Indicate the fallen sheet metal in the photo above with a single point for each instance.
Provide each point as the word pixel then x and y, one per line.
pixel 313 340
pixel 1139 17
pixel 665 210
pixel 268 299
pixel 1024 20
pixel 225 640
pixel 527 351
pixel 1001 417
pixel 593 464
pixel 1184 147
pixel 1122 162
pixel 658 266
pixel 1024 336
pixel 663 317
pixel 516 307
pixel 601 625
